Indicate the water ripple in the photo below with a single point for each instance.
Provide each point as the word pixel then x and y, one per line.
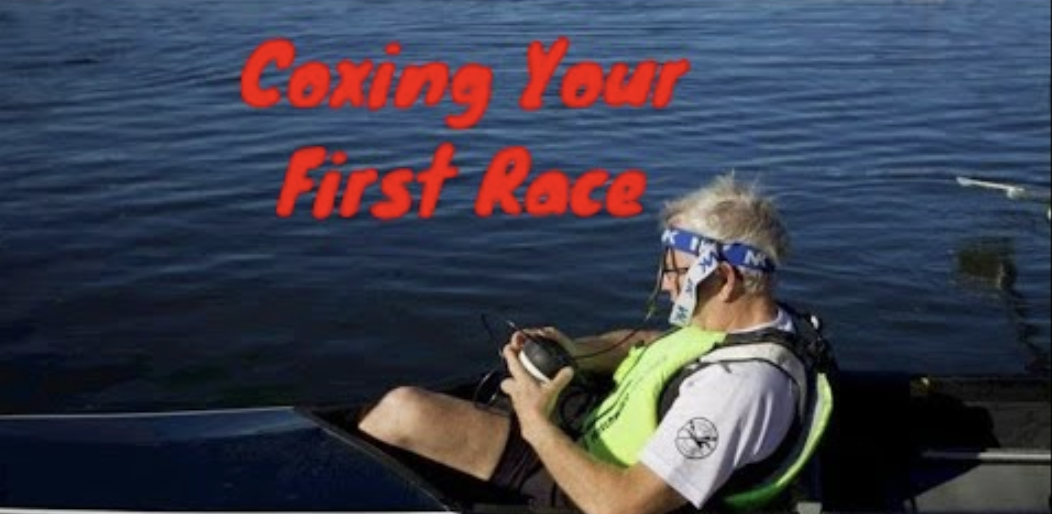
pixel 143 260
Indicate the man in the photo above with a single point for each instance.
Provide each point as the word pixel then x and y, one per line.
pixel 688 409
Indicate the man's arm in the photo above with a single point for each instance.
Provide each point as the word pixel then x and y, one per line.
pixel 596 487
pixel 726 416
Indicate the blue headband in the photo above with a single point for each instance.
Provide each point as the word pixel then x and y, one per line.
pixel 735 254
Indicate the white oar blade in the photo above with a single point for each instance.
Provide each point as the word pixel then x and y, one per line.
pixel 1012 191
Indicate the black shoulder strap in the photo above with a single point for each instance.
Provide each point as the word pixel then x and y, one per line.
pixel 671 391
pixel 807 343
pixel 768 336
pixel 813 347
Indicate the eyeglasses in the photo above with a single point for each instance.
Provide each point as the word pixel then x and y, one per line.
pixel 665 269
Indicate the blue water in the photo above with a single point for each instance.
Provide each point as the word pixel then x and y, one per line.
pixel 142 264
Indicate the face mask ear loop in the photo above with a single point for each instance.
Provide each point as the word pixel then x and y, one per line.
pixel 652 306
pixel 686 302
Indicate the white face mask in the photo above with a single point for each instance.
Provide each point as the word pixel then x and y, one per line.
pixel 687 301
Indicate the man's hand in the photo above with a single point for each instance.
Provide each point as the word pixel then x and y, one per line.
pixel 532 400
pixel 596 487
pixel 519 338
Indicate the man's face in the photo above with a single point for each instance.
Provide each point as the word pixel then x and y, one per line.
pixel 674 268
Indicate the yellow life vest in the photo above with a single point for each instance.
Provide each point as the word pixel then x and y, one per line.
pixel 617 431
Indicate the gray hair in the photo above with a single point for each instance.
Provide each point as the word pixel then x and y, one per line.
pixel 730 211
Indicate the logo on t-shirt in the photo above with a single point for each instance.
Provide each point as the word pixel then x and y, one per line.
pixel 697 439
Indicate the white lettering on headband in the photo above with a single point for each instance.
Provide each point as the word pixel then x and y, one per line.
pixel 734 253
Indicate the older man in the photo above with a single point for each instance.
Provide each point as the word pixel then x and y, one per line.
pixel 732 391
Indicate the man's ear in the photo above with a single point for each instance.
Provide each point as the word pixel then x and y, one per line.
pixel 730 290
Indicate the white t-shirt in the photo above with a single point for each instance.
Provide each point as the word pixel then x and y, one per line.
pixel 726 416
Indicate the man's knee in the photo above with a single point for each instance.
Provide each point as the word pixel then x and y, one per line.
pixel 399 414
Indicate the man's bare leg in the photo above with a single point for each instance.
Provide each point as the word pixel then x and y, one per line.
pixel 442 428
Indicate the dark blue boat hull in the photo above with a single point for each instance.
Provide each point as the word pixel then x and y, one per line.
pixel 273 459
pixel 896 444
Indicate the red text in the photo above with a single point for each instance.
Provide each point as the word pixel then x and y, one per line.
pixel 585 82
pixel 394 185
pixel 311 83
pixel 553 192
